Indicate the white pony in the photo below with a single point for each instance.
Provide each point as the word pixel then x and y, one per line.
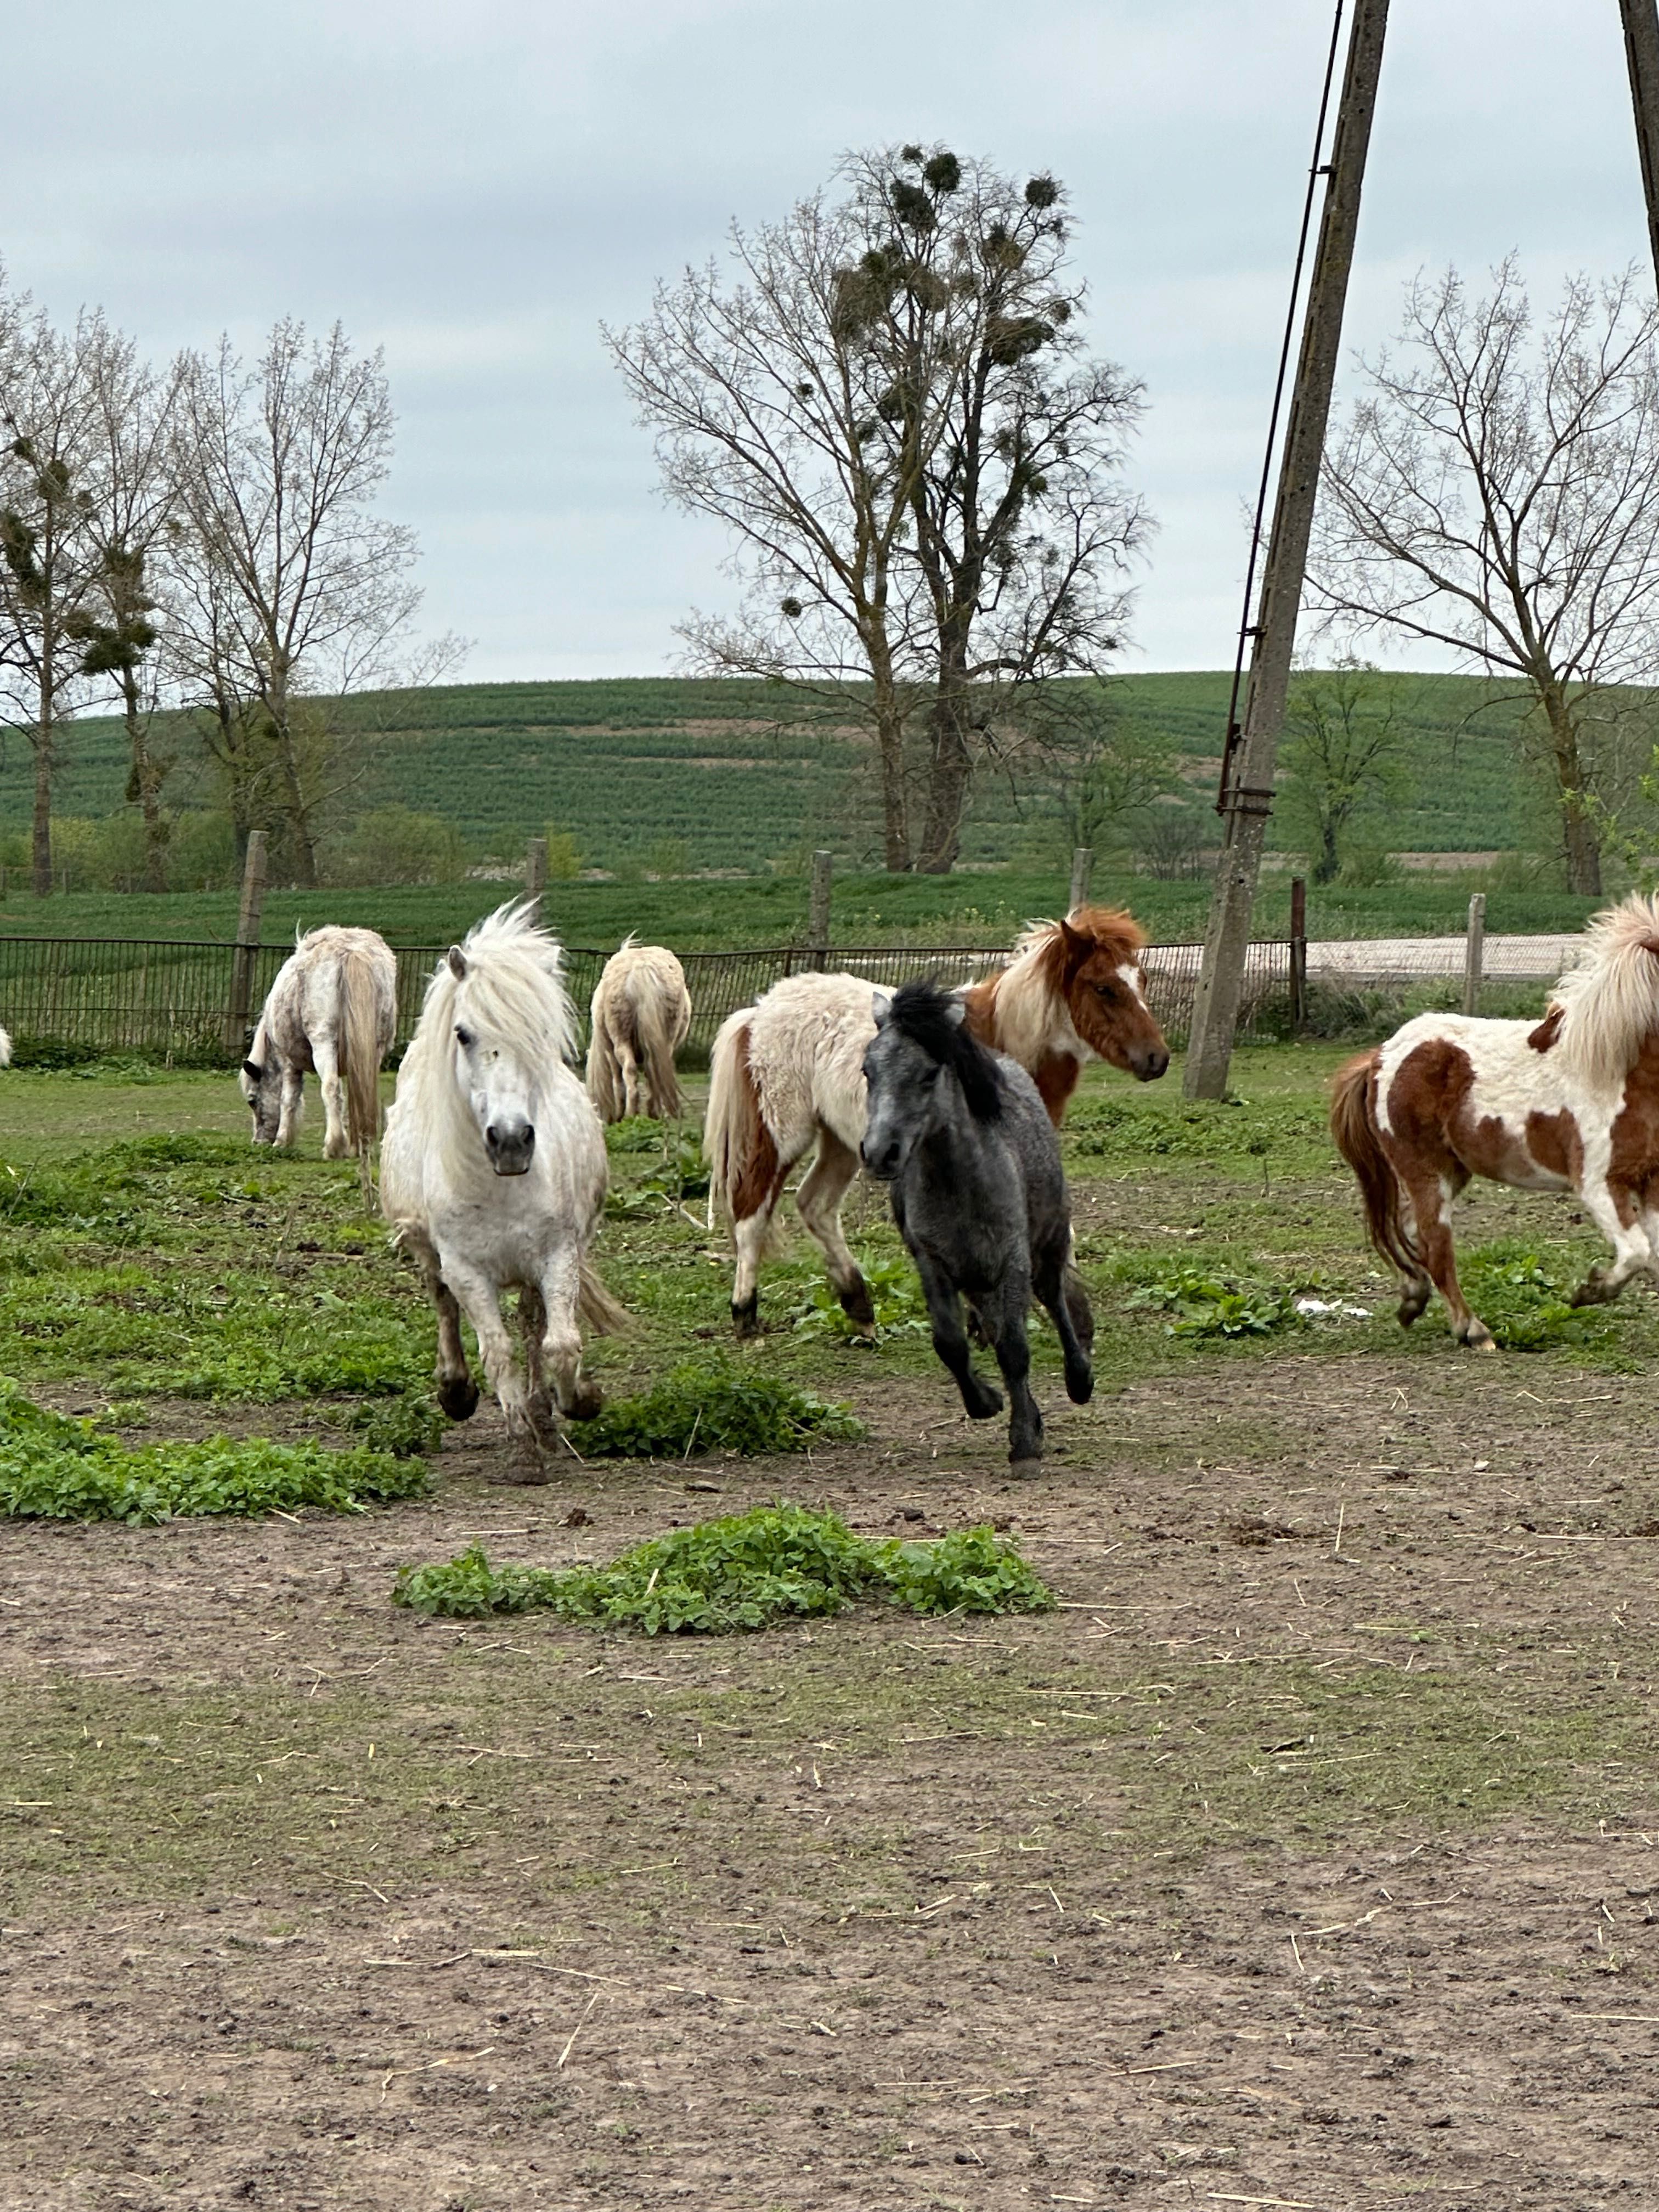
pixel 493 1176
pixel 332 1011
pixel 642 1012
pixel 5 1049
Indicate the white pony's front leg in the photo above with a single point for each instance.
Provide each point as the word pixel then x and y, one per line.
pixel 294 1102
pixel 480 1300
pixel 335 1144
pixel 561 1348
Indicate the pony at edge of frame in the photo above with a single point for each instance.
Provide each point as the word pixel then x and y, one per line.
pixel 1570 1103
pixel 786 1078
pixel 640 1016
pixel 331 1011
pixel 493 1175
pixel 960 1137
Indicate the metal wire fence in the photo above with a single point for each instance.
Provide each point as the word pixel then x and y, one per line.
pixel 183 1002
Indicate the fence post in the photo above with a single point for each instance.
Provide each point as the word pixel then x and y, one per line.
pixel 818 919
pixel 246 954
pixel 1083 860
pixel 1473 951
pixel 1298 955
pixel 535 868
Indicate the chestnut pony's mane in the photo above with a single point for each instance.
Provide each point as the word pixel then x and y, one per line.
pixel 1032 1011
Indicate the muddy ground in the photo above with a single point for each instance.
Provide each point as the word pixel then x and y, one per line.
pixel 1304 1857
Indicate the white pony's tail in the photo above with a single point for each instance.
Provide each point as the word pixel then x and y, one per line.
pixel 729 1128
pixel 597 1310
pixel 655 1022
pixel 360 1021
pixel 603 1084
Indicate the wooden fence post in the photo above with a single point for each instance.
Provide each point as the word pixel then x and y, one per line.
pixel 1474 946
pixel 818 919
pixel 245 958
pixel 1083 860
pixel 1298 955
pixel 535 868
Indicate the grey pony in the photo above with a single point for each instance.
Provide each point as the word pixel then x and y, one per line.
pixel 962 1138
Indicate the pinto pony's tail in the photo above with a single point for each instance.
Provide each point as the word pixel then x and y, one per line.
pixel 597 1310
pixel 359 1051
pixel 657 1017
pixel 1353 1126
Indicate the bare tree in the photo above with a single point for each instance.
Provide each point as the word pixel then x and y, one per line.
pixel 892 410
pixel 1342 754
pixel 293 590
pixel 48 554
pixel 1496 490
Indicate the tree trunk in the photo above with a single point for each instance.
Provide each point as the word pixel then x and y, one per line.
pixel 895 811
pixel 146 787
pixel 949 769
pixel 1583 849
pixel 45 734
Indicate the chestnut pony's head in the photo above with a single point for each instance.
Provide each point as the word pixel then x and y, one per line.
pixel 1095 964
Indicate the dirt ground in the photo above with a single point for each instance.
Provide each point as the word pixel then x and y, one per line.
pixel 1304 1857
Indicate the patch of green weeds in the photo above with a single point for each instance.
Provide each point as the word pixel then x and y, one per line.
pixel 1523 1299
pixel 895 1291
pixel 746 1571
pixel 407 1426
pixel 714 1404
pixel 1226 1130
pixel 1210 1305
pixel 678 1174
pixel 53 1468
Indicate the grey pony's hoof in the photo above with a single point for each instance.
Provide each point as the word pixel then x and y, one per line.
pixel 745 1318
pixel 458 1395
pixel 1021 1469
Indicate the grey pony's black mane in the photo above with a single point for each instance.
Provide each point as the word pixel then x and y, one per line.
pixel 924 1013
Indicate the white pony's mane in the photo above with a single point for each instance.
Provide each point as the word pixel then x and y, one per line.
pixel 1609 1003
pixel 1030 1006
pixel 516 997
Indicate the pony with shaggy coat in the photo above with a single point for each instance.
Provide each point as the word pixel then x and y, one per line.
pixel 5 1049
pixel 640 1014
pixel 493 1176
pixel 962 1138
pixel 1571 1103
pixel 332 1011
pixel 787 1074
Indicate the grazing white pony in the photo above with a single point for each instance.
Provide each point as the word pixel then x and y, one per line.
pixel 493 1176
pixel 5 1049
pixel 641 1013
pixel 332 1011
pixel 787 1074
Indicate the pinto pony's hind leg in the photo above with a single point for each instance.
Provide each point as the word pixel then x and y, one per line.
pixel 819 1201
pixel 1431 1201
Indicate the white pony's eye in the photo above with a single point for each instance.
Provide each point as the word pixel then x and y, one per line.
pixel 463 1036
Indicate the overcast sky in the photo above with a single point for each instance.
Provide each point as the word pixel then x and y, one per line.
pixel 477 187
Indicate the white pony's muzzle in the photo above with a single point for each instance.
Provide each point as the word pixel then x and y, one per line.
pixel 510 1141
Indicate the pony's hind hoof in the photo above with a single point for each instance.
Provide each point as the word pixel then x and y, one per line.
pixel 587 1403
pixel 857 1304
pixel 458 1396
pixel 745 1318
pixel 1480 1338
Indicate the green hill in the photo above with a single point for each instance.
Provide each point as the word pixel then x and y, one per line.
pixel 728 770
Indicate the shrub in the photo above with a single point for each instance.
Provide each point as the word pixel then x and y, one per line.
pixel 744 1571
pixel 393 845
pixel 1209 1305
pixel 705 1406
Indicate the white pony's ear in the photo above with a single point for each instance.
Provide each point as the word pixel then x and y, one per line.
pixel 457 960
pixel 881 1007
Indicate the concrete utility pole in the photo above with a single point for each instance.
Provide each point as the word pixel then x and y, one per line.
pixel 1247 797
pixel 1641 18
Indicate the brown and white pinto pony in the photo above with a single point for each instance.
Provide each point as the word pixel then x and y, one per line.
pixel 787 1074
pixel 1571 1103
pixel 640 1015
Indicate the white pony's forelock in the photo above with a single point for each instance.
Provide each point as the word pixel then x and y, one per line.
pixel 1609 1003
pixel 514 983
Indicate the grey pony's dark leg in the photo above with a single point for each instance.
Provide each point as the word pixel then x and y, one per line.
pixel 1002 1311
pixel 982 1400
pixel 1060 1293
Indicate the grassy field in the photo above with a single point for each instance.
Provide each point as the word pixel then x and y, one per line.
pixel 725 771
pixel 1303 1853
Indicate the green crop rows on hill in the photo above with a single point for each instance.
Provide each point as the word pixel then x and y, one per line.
pixel 725 768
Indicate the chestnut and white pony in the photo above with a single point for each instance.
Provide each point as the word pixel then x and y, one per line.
pixel 641 1013
pixel 1571 1103
pixel 331 1011
pixel 787 1073
pixel 493 1176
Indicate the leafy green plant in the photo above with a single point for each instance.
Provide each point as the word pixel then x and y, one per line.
pixel 895 1292
pixel 406 1427
pixel 680 1173
pixel 1210 1305
pixel 714 1404
pixel 746 1571
pixel 1524 1303
pixel 53 1468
